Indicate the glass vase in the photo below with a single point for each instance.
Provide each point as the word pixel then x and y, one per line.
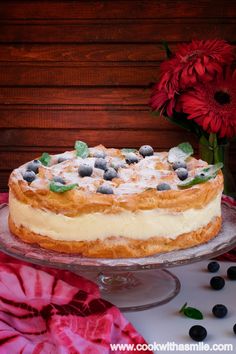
pixel 215 154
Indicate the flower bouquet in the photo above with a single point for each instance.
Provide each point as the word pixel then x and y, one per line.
pixel 197 91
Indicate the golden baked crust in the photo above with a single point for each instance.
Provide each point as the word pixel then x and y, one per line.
pixel 120 247
pixel 84 199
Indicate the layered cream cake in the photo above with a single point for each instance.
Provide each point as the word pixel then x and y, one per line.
pixel 103 202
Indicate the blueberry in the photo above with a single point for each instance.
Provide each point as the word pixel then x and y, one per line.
pixel 99 154
pixel 182 173
pixel 146 150
pixel 131 158
pixel 34 166
pixel 109 174
pixel 59 179
pixel 105 189
pixel 61 159
pixel 163 187
pixel 85 170
pixel 198 333
pixel 213 267
pixel 29 176
pixel 179 164
pixel 219 310
pixel 234 328
pixel 100 163
pixel 217 283
pixel 231 273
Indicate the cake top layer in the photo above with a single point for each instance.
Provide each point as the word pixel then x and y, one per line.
pixel 111 171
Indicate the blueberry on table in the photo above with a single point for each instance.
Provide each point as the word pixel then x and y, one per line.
pixel 213 267
pixel 131 158
pixel 231 273
pixel 100 163
pixel 182 173
pixel 234 328
pixel 105 189
pixel 34 166
pixel 198 333
pixel 179 164
pixel 146 150
pixel 217 283
pixel 59 179
pixel 29 176
pixel 163 187
pixel 219 310
pixel 109 174
pixel 85 170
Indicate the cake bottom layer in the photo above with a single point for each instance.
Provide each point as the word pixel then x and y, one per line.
pixel 120 247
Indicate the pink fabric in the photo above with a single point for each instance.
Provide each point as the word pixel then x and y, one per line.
pixel 45 311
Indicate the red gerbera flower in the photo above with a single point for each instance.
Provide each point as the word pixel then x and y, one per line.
pixel 213 105
pixel 198 61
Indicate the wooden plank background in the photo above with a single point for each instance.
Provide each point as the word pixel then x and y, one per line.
pixel 83 70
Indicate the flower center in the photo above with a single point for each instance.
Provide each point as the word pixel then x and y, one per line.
pixel 191 56
pixel 222 97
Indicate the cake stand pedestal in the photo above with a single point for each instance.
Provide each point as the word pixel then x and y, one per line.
pixel 132 284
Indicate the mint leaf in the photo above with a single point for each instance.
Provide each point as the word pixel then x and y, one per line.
pixel 45 159
pixel 187 148
pixel 191 181
pixel 213 169
pixel 82 149
pixel 180 152
pixel 61 188
pixel 127 151
pixel 191 312
pixel 205 174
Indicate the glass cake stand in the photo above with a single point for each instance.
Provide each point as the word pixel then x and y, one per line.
pixel 132 284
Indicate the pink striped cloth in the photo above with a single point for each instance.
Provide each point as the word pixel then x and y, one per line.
pixel 51 311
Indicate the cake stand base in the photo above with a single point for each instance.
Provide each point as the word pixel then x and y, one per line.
pixel 137 290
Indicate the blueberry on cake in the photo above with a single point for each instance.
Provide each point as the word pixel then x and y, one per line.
pixel 115 203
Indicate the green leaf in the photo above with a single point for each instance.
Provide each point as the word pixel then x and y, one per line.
pixel 180 152
pixel 82 149
pixel 61 188
pixel 191 312
pixel 45 159
pixel 187 148
pixel 213 169
pixel 127 151
pixel 191 181
pixel 205 174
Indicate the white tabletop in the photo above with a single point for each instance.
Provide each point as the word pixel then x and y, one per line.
pixel 164 323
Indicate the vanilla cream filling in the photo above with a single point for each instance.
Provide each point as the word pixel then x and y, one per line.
pixel 88 227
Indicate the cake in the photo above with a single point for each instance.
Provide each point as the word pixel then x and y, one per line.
pixel 115 203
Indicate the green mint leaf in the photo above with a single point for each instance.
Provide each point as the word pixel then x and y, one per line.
pixel 213 169
pixel 82 149
pixel 205 174
pixel 191 181
pixel 180 152
pixel 191 312
pixel 127 151
pixel 61 188
pixel 187 148
pixel 45 159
